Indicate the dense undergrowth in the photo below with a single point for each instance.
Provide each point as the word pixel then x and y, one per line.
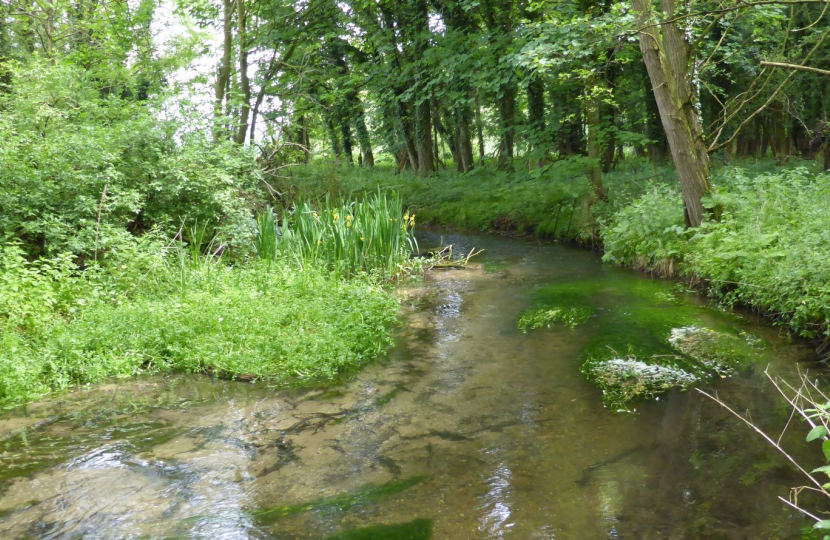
pixel 267 320
pixel 129 244
pixel 769 251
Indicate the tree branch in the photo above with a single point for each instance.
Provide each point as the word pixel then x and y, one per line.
pixel 796 67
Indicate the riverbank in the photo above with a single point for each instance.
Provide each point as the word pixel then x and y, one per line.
pixel 309 303
pixel 497 425
pixel 770 251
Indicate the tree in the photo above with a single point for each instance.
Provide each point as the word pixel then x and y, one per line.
pixel 667 54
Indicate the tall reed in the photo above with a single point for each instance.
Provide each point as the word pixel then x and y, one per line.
pixel 346 237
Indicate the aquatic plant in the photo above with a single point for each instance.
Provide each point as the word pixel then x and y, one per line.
pixel 358 497
pixel 625 379
pixel 345 237
pixel 570 316
pixel 717 351
pixel 417 529
pixel 645 339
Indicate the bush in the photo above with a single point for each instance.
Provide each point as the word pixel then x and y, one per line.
pixel 80 171
pixel 770 250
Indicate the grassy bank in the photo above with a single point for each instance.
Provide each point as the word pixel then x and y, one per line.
pixel 770 251
pixel 309 306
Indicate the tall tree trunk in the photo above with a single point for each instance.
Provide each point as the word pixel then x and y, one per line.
pixel 666 54
pixel 408 132
pixel 479 130
pixel 363 135
pixel 463 138
pixel 333 138
pixel 244 82
pixel 423 116
pixel 224 75
pixel 423 138
pixel 536 118
pixel 346 133
pixel 594 147
pixel 507 112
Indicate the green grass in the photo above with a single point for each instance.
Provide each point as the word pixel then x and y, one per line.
pixel 548 201
pixel 181 312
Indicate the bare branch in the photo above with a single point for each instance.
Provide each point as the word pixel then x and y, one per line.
pixel 796 67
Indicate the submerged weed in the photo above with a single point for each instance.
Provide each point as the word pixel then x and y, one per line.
pixel 361 496
pixel 547 317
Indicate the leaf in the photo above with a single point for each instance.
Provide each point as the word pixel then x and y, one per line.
pixel 822 525
pixel 817 432
pixel 825 469
pixel 825 448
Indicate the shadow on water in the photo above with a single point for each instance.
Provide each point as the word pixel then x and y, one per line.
pixel 470 429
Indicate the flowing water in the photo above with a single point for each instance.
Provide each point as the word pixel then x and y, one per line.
pixel 469 429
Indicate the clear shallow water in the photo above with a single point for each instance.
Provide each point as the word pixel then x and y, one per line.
pixel 470 429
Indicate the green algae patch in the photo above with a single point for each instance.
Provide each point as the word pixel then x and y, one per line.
pixel 624 379
pixel 417 529
pixel 571 317
pixel 718 352
pixel 645 339
pixel 341 502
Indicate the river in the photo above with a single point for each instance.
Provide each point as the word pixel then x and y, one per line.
pixel 469 428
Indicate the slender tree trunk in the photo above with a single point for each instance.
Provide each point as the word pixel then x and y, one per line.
pixel 48 37
pixel 304 139
pixel 244 82
pixel 666 54
pixel 5 73
pixel 594 147
pixel 363 135
pixel 224 75
pixel 480 130
pixel 507 110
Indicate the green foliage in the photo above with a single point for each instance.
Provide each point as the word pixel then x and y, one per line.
pixel 768 251
pixel 257 321
pixel 81 170
pixel 648 231
pixel 372 235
